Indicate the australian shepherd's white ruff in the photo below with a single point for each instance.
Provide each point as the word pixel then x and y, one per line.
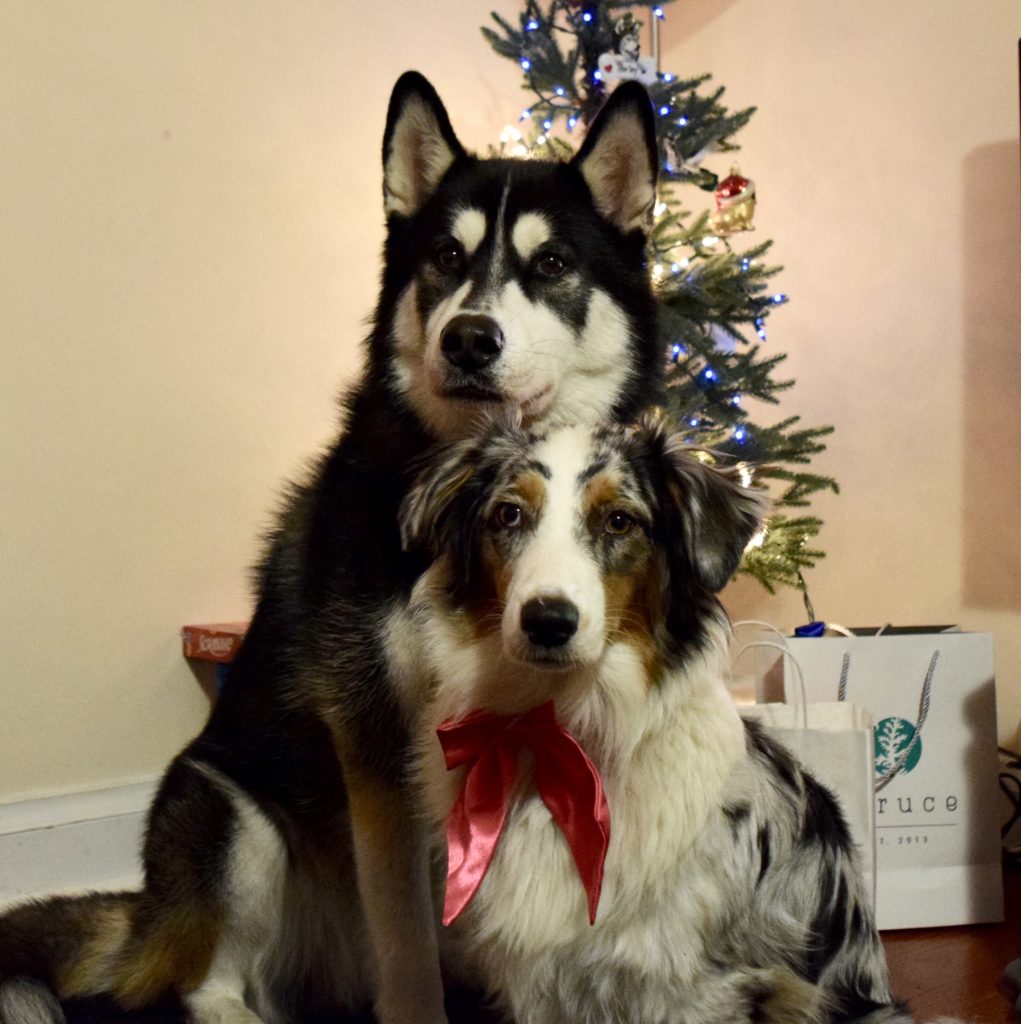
pixel 581 567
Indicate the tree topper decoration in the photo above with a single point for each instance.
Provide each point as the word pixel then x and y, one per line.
pixel 627 64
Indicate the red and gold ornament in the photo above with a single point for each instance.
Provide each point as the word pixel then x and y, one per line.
pixel 735 204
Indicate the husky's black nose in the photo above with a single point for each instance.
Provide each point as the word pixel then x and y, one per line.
pixel 471 341
pixel 549 621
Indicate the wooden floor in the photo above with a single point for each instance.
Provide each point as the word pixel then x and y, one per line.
pixel 957 971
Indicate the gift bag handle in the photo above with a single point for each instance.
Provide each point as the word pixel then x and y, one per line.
pixel 923 713
pixel 786 651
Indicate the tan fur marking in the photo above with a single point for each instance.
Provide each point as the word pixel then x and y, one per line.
pixel 630 599
pixel 532 489
pixel 602 489
pixel 377 810
pixel 90 972
pixel 484 607
pixel 173 954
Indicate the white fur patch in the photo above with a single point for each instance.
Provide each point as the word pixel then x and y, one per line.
pixel 531 230
pixel 469 228
pixel 255 881
pixel 554 563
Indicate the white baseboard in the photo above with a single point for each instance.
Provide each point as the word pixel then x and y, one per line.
pixel 72 843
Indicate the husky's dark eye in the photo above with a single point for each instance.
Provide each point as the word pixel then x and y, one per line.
pixel 450 257
pixel 507 516
pixel 619 523
pixel 549 264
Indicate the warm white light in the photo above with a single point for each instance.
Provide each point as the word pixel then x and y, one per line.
pixel 758 540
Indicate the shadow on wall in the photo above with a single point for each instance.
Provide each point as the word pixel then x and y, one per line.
pixel 991 281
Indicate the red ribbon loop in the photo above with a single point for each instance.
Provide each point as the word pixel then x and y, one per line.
pixel 565 777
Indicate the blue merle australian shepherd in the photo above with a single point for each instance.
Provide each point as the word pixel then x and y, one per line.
pixel 581 567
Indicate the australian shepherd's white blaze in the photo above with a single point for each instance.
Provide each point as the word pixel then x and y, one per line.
pixel 582 567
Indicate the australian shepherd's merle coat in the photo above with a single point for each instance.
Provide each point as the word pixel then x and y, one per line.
pixel 582 566
pixel 284 871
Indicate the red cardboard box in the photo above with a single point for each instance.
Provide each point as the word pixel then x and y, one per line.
pixel 217 642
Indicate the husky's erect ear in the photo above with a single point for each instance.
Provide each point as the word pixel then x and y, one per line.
pixel 419 145
pixel 718 511
pixel 619 159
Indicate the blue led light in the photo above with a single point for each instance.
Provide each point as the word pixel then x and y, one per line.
pixel 664 111
pixel 709 373
pixel 559 90
pixel 740 435
pixel 532 26
pixel 547 125
pixel 693 422
pixel 735 399
pixel 526 63
pixel 668 77
pixel 571 122
pixel 597 76
pixel 675 268
pixel 745 264
pixel 683 122
pixel 778 298
pixel 586 16
pixel 658 11
pixel 525 114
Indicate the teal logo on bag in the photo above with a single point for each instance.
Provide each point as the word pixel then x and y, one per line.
pixel 893 737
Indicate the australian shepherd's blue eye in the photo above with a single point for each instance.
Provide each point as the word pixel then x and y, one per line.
pixel 619 523
pixel 449 257
pixel 548 264
pixel 507 516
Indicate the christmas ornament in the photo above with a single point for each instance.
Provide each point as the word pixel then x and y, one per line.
pixel 735 204
pixel 627 64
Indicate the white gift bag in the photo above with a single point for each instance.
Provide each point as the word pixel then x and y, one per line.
pixel 833 740
pixel 932 697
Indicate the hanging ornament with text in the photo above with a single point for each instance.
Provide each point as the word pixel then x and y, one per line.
pixel 627 64
pixel 735 204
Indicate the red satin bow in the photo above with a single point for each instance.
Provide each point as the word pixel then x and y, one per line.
pixel 568 782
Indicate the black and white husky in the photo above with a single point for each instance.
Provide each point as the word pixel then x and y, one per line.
pixel 284 871
pixel 581 567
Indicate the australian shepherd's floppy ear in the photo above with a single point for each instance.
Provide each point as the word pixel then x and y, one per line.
pixel 573 594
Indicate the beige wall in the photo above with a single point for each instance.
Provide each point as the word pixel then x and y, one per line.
pixel 886 153
pixel 189 208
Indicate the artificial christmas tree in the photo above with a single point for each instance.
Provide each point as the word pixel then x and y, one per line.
pixel 715 297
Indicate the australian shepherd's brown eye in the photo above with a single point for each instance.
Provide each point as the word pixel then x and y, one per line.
pixel 507 516
pixel 550 265
pixel 450 257
pixel 618 523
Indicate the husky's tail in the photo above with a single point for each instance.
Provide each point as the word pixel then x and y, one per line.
pixel 60 948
